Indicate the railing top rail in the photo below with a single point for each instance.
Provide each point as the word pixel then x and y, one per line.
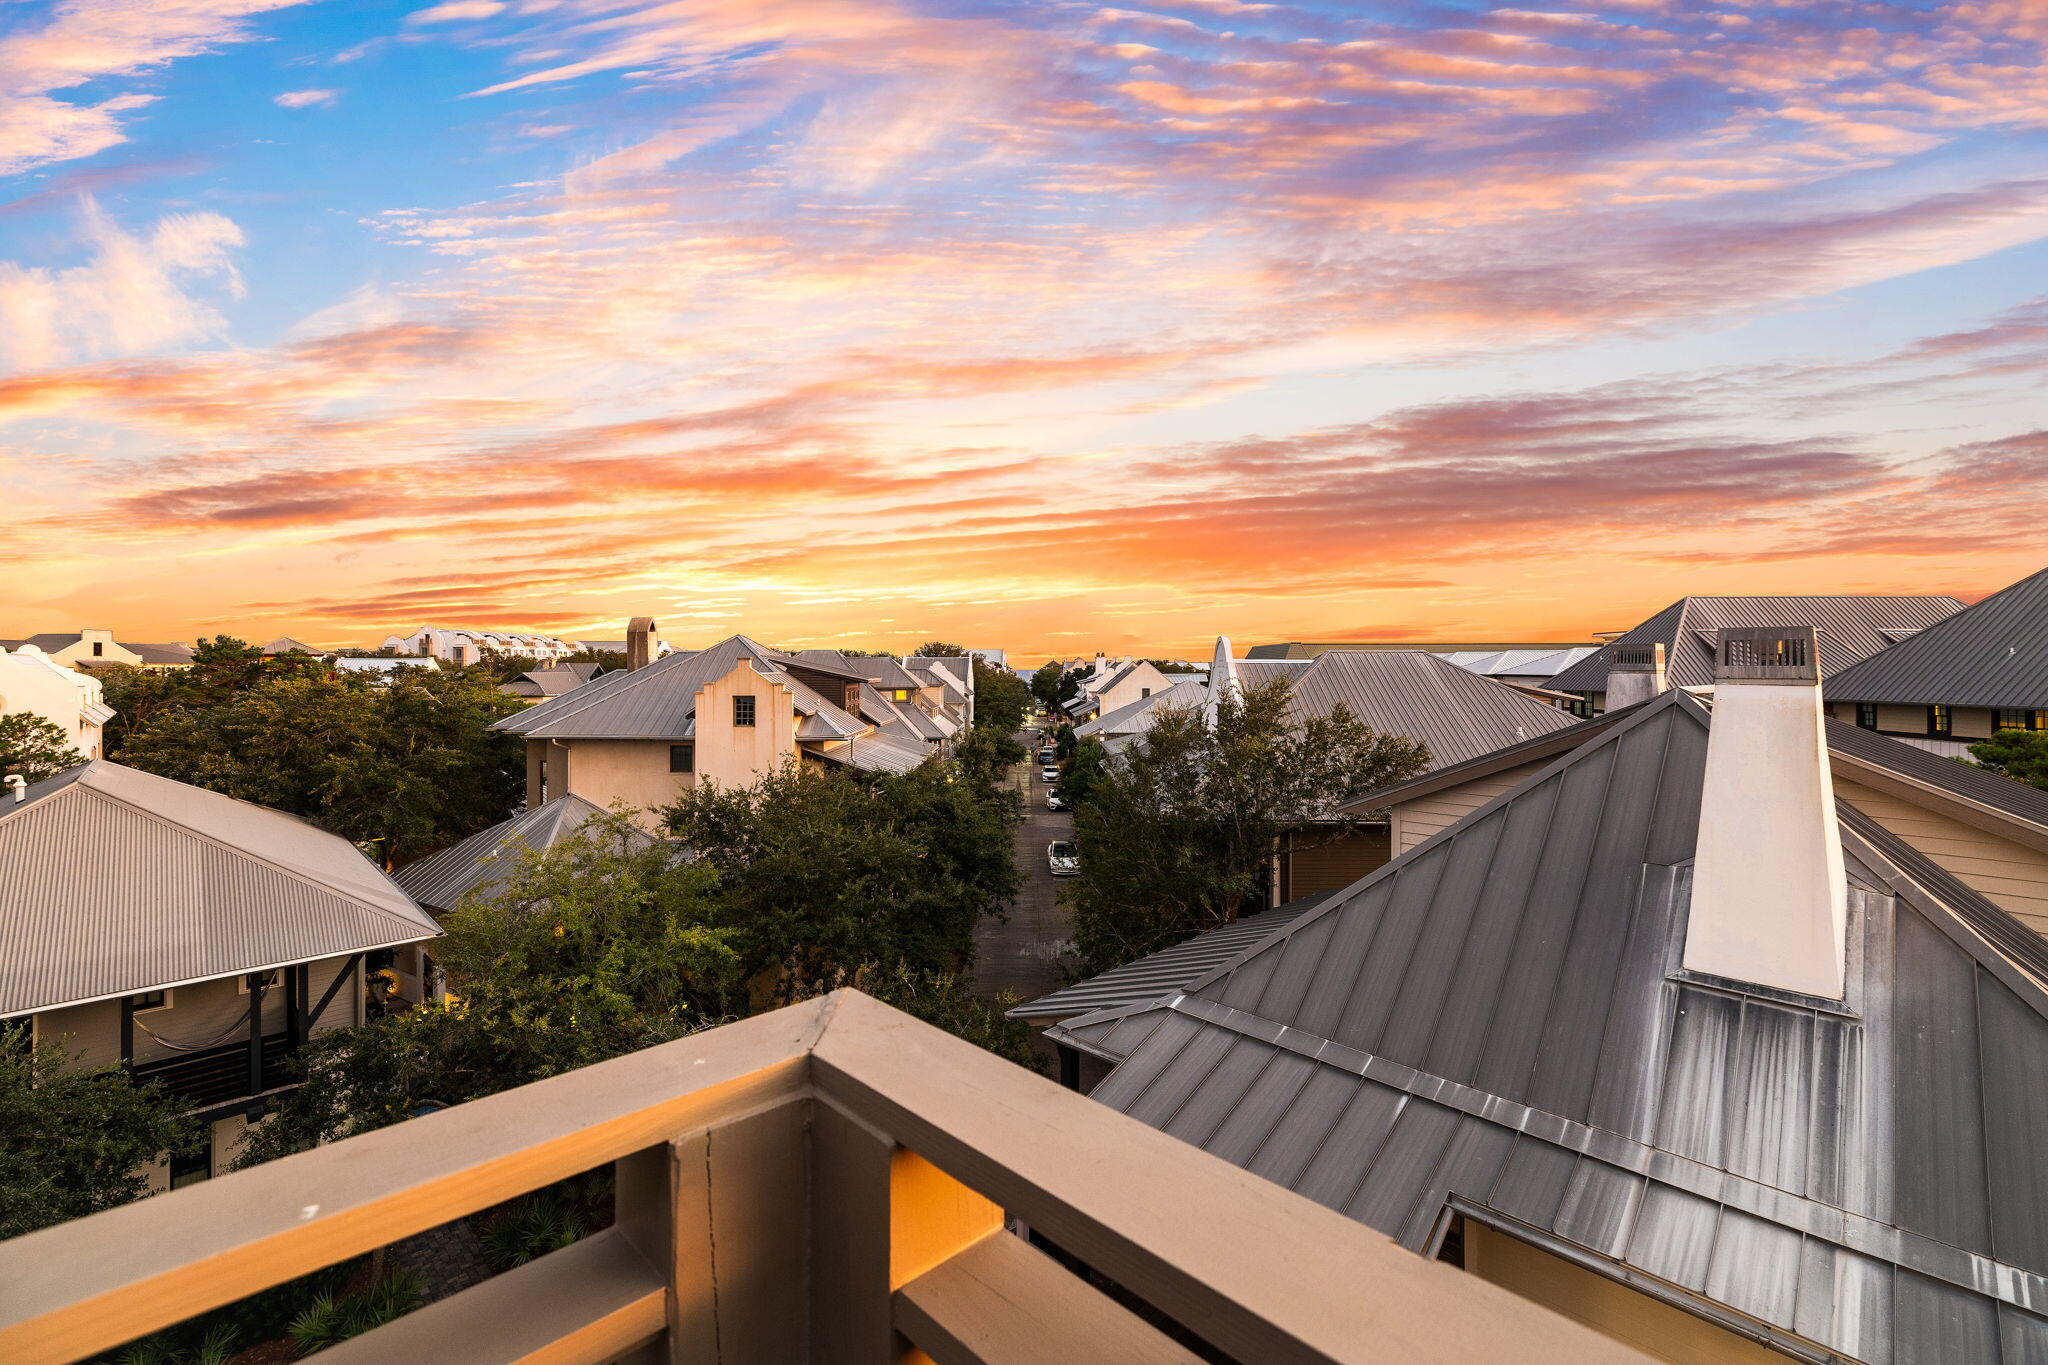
pixel 93 1283
pixel 1256 1269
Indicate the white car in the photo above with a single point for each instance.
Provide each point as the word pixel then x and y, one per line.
pixel 1063 856
pixel 1049 773
pixel 1053 802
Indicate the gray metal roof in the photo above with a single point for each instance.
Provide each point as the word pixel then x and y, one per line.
pixel 1494 1020
pixel 1849 629
pixel 659 701
pixel 1992 654
pixel 1408 692
pixel 876 753
pixel 114 881
pixel 490 857
pixel 1130 717
pixel 1166 971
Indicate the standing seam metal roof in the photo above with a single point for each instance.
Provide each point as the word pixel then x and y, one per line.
pixel 1458 714
pixel 1497 1018
pixel 489 857
pixel 114 880
pixel 1992 654
pixel 1849 629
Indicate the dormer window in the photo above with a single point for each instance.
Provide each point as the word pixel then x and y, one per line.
pixel 1937 719
pixel 743 711
pixel 1866 714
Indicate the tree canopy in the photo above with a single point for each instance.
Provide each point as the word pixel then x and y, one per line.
pixel 1045 683
pixel 2021 755
pixel 1001 698
pixel 74 1139
pixel 826 869
pixel 33 748
pixel 402 766
pixel 1176 827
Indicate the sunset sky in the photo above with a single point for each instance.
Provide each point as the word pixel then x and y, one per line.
pixel 1041 325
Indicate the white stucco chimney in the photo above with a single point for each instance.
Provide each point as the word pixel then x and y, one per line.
pixel 1634 673
pixel 1769 904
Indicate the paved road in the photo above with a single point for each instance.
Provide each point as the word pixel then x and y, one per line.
pixel 1021 955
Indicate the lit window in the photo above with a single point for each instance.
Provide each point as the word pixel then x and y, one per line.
pixel 2007 718
pixel 682 758
pixel 1866 714
pixel 743 711
pixel 1937 719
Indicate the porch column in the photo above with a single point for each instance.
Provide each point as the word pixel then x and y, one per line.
pixel 255 1033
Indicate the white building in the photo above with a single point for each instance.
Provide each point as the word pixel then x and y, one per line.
pixel 460 646
pixel 73 701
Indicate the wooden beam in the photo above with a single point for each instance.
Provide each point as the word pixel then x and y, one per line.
pixel 256 988
pixel 1259 1272
pixel 127 1030
pixel 1001 1303
pixel 587 1304
pixel 347 972
pixel 87 1286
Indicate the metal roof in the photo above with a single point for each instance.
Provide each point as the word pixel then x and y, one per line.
pixel 1495 1020
pixel 1517 663
pixel 655 702
pixel 114 880
pixel 876 753
pixel 1992 654
pixel 1849 629
pixel 1166 971
pixel 1408 692
pixel 489 857
pixel 1130 717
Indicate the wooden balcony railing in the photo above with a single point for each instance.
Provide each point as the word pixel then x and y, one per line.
pixel 826 1183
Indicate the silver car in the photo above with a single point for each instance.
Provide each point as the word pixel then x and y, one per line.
pixel 1053 801
pixel 1063 856
pixel 1049 773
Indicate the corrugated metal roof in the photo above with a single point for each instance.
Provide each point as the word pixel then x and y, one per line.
pixel 1164 972
pixel 1134 717
pixel 1992 654
pixel 1495 1016
pixel 876 753
pixel 1849 629
pixel 1408 692
pixel 655 702
pixel 114 881
pixel 490 856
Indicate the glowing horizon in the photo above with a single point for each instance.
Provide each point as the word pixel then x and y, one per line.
pixel 1050 328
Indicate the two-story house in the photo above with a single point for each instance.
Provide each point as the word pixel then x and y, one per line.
pixel 1114 685
pixel 32 682
pixel 195 939
pixel 728 714
pixel 98 648
pixel 1962 679
pixel 461 646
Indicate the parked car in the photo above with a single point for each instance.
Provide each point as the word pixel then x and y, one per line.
pixel 1063 856
pixel 1049 773
pixel 1053 801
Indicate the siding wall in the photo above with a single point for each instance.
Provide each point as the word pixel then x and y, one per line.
pixel 1415 821
pixel 2011 875
pixel 197 1016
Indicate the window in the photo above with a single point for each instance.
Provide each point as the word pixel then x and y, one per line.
pixel 1866 714
pixel 743 711
pixel 98 649
pixel 682 758
pixel 900 694
pixel 272 979
pixel 1937 719
pixel 192 1165
pixel 152 1000
pixel 1144 692
pixel 2005 718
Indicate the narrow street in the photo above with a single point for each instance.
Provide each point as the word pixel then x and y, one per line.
pixel 1021 956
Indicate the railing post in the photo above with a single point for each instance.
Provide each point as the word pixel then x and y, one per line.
pixel 642 1209
pixel 881 1216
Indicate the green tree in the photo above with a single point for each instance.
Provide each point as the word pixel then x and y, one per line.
pixel 1045 683
pixel 605 943
pixel 827 871
pixel 403 766
pixel 1001 698
pixel 33 748
pixel 939 649
pixel 2021 755
pixel 1083 772
pixel 74 1139
pixel 984 755
pixel 1176 830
